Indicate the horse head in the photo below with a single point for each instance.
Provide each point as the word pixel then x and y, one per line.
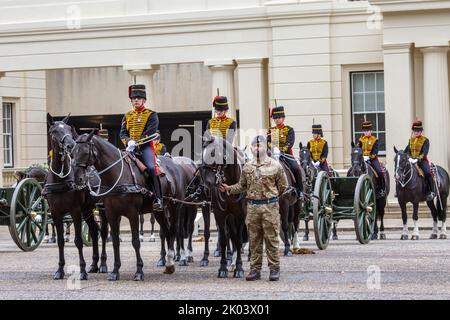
pixel 357 160
pixel 304 155
pixel 402 165
pixel 61 134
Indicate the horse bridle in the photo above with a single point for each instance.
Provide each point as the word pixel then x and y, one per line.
pixel 63 153
pixel 404 172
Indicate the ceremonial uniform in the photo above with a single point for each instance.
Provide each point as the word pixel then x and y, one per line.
pixel 160 148
pixel 223 127
pixel 319 149
pixel 418 148
pixel 283 137
pixel 137 124
pixel 264 181
pixel 369 146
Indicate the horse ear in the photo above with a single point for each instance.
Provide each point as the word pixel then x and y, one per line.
pixel 74 133
pixel 300 145
pixel 66 119
pixel 353 144
pixel 395 150
pixel 89 138
pixel 49 119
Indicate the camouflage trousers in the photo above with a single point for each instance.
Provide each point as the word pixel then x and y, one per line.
pixel 263 224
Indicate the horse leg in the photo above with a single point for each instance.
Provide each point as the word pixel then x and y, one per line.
pixel 434 214
pixel 296 221
pixel 217 252
pixel 182 253
pixel 415 235
pixel 206 212
pixel 76 217
pixel 93 231
pixel 67 236
pixel 114 223
pixel 442 212
pixel 178 249
pixel 223 271
pixel 381 212
pixel 405 221
pixel 162 235
pixel 58 222
pixel 236 238
pixel 53 238
pixel 46 237
pixel 136 242
pixel 141 227
pixel 335 236
pixel 190 229
pixel 104 234
pixel 284 216
pixel 152 232
pixel 306 235
pixel 172 233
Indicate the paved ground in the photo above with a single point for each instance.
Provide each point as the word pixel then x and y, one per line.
pixel 390 269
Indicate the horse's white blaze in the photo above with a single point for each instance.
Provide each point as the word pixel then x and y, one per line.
pixel 435 227
pixel 170 258
pixel 405 229
pixel 296 241
pixel 416 228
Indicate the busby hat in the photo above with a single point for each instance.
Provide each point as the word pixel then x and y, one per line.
pixel 277 112
pixel 137 91
pixel 220 103
pixel 366 125
pixel 317 129
pixel 417 126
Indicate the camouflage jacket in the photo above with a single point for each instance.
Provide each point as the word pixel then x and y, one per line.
pixel 262 180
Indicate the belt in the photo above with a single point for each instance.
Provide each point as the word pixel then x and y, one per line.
pixel 263 201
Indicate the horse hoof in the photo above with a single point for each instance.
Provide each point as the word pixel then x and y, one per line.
pixel 217 253
pixel 83 276
pixel 404 237
pixel 177 258
pixel 59 275
pixel 382 236
pixel 415 237
pixel 433 236
pixel 113 276
pixel 238 274
pixel 443 236
pixel 138 276
pixel 183 263
pixel 190 259
pixel 335 237
pixel 305 238
pixel 223 274
pixel 204 263
pixel 103 269
pixel 93 269
pixel 374 237
pixel 169 270
pixel 288 253
pixel 161 263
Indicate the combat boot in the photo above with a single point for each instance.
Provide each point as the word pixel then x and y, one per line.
pixel 253 275
pixel 274 275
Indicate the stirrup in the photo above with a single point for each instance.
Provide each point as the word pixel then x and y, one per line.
pixel 157 205
pixel 431 196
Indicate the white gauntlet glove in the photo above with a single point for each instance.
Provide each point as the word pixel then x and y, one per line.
pixel 412 161
pixel 131 145
pixel 366 158
pixel 276 152
pixel 317 164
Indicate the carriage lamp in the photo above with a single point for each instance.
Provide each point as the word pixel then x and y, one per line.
pixel 328 210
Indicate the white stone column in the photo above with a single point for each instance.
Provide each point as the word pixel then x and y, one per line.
pixel 223 79
pixel 143 74
pixel 436 104
pixel 253 98
pixel 399 101
pixel 2 74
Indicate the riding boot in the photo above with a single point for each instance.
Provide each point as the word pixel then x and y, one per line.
pixel 381 187
pixel 430 193
pixel 298 185
pixel 158 202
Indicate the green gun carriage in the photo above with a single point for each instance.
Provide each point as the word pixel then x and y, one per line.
pixel 343 198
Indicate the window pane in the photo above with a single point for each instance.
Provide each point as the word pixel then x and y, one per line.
pixel 373 118
pixel 369 82
pixel 380 81
pixel 381 123
pixel 370 101
pixel 380 101
pixel 358 102
pixel 357 82
pixel 359 118
pixel 382 142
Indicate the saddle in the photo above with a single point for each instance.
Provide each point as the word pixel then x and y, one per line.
pixel 141 166
pixel 288 171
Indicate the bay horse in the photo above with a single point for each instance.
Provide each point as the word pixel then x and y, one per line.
pixel 63 197
pixel 221 162
pixel 126 194
pixel 411 187
pixel 360 167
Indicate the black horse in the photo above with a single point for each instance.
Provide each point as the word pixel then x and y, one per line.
pixel 223 163
pixel 64 197
pixel 411 187
pixel 360 167
pixel 124 192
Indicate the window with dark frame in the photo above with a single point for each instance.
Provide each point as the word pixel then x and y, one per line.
pixel 367 99
pixel 8 147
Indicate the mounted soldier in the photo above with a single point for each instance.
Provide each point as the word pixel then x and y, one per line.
pixel 318 147
pixel 280 139
pixel 160 148
pixel 418 147
pixel 369 145
pixel 221 125
pixel 139 123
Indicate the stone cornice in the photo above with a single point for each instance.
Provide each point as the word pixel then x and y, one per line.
pixel 393 6
pixel 397 47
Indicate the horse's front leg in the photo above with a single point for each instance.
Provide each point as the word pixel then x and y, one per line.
pixel 172 233
pixel 405 221
pixel 114 222
pixel 284 216
pixel 59 225
pixel 135 241
pixel 76 217
pixel 415 235
pixel 104 235
pixel 206 212
pixel 223 271
pixel 93 232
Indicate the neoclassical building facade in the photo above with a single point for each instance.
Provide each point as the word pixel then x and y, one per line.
pixel 327 61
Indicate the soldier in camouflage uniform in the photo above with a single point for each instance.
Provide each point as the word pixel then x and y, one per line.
pixel 264 181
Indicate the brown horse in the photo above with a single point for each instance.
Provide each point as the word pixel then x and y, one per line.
pixel 124 192
pixel 64 198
